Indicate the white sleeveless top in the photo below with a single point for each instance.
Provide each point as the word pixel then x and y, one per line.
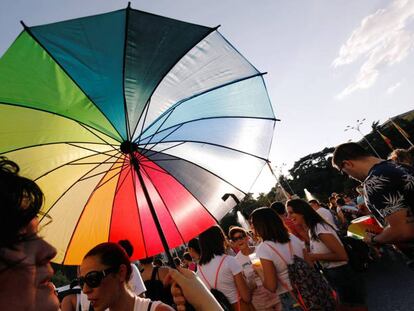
pixel 141 304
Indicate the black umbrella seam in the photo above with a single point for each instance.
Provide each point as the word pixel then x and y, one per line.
pixel 64 117
pixel 58 143
pixel 169 70
pixel 179 125
pixel 139 214
pixel 182 101
pixel 70 77
pixel 123 71
pixel 180 183
pixel 197 165
pixel 83 209
pixel 162 199
pixel 215 145
pixel 80 216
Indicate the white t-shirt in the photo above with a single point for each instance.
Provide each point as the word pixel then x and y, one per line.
pixel 327 216
pixel 264 251
pixel 318 247
pixel 246 265
pixel 225 281
pixel 135 283
pixel 141 304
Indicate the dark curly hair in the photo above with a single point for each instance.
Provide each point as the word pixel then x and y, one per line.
pixel 16 191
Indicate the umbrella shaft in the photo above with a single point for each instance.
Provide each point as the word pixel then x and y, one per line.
pixel 135 164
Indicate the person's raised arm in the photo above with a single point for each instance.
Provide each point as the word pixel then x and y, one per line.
pixel 188 287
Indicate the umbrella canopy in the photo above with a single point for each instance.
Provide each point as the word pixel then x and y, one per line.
pixel 133 125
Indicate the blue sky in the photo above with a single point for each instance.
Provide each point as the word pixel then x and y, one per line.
pixel 329 62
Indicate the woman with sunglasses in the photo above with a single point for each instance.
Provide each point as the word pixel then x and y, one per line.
pixel 104 273
pixel 25 269
pixel 277 248
pixel 327 249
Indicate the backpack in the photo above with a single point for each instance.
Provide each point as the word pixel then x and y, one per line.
pixel 358 253
pixel 156 289
pixel 309 288
pixel 220 297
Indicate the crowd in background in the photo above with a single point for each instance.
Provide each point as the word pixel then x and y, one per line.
pixel 295 255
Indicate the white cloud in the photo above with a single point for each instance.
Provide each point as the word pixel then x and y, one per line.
pixel 382 39
pixel 392 88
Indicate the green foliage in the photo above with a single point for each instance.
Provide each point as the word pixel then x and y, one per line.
pixel 315 172
pixel 59 279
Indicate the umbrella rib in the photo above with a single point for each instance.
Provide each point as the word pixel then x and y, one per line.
pixel 70 163
pixel 180 102
pixel 153 168
pixel 110 170
pixel 221 146
pixel 59 115
pixel 143 122
pixel 123 72
pixel 52 143
pixel 208 118
pixel 118 186
pixel 89 149
pixel 28 30
pixel 204 169
pixel 83 209
pixel 139 214
pixel 86 128
pixel 211 30
pixel 215 219
pixel 170 147
pixel 162 199
pixel 162 123
pixel 158 142
pixel 116 175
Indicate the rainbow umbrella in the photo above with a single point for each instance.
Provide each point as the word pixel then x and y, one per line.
pixel 134 125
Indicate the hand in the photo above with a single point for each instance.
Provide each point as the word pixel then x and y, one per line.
pixel 368 237
pixel 309 258
pixel 186 286
pixel 258 269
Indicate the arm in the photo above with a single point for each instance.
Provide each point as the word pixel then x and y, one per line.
pixel 337 251
pixel 400 228
pixel 69 303
pixel 269 274
pixel 188 287
pixel 242 287
pixel 163 307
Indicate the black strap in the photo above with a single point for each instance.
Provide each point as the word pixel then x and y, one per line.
pixel 154 273
pixel 149 306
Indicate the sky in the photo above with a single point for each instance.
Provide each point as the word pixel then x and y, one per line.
pixel 329 63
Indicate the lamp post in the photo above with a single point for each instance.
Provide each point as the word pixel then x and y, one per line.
pixel 357 128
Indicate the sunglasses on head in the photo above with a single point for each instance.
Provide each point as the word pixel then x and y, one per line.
pixel 238 238
pixel 94 278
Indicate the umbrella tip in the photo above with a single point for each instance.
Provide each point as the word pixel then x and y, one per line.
pixel 23 24
pixel 129 5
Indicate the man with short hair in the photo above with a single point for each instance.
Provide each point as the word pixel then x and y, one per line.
pixel 389 193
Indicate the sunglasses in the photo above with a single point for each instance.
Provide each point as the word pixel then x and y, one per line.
pixel 94 278
pixel 238 238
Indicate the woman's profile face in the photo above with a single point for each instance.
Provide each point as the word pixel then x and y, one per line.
pixel 104 295
pixel 295 217
pixel 28 283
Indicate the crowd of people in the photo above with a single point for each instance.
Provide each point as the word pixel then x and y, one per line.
pixel 294 255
